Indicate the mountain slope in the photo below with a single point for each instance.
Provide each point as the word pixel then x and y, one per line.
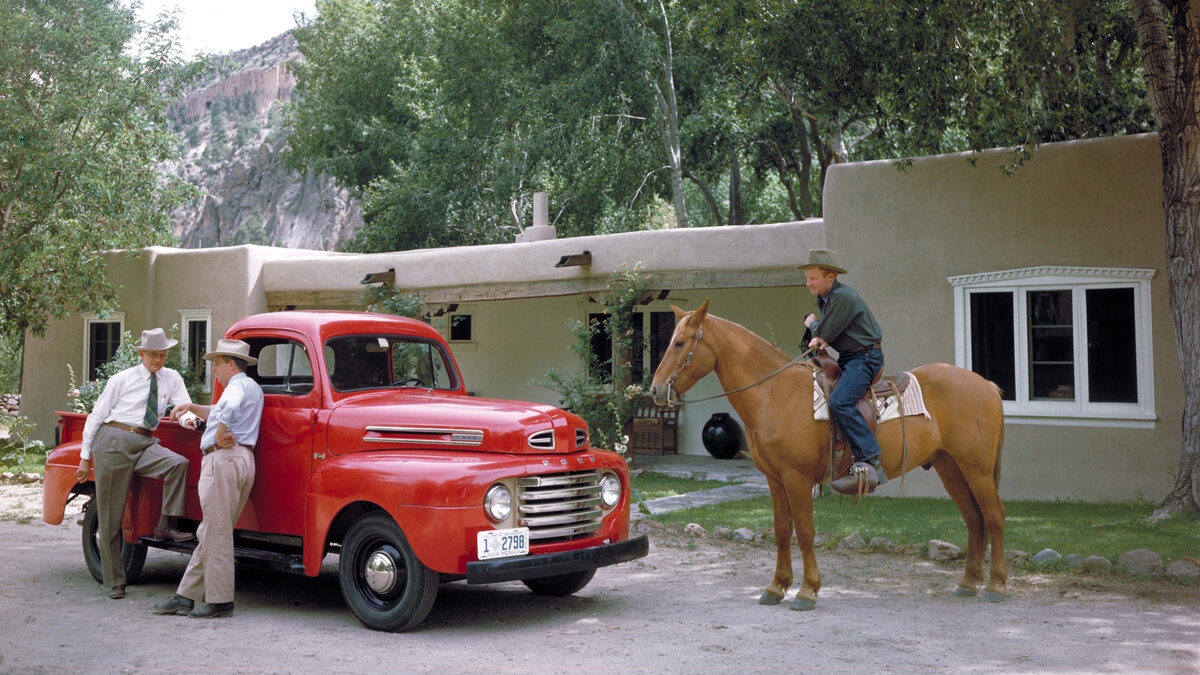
pixel 233 136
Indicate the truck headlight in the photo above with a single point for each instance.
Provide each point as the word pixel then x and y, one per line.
pixel 497 503
pixel 610 490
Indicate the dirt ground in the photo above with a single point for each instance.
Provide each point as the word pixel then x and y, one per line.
pixel 690 606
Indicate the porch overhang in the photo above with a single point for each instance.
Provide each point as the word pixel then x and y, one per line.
pixel 744 256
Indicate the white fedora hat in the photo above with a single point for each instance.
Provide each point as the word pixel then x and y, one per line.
pixel 155 339
pixel 232 348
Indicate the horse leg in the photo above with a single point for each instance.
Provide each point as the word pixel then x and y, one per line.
pixel 801 500
pixel 956 486
pixel 987 496
pixel 779 585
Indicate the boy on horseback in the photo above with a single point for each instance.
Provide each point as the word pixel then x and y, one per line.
pixel 847 325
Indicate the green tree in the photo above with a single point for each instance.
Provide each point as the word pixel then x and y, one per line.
pixel 446 116
pixel 1169 36
pixel 83 127
pixel 895 78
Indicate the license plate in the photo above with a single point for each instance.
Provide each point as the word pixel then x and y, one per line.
pixel 503 543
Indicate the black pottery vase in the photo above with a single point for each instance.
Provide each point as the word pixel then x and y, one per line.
pixel 722 436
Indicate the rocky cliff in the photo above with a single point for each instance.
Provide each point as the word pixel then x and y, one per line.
pixel 233 136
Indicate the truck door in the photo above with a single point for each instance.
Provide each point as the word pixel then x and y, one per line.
pixel 283 456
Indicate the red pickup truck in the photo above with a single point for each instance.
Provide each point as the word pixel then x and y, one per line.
pixel 372 449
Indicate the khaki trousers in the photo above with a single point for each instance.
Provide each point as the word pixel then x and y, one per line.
pixel 226 476
pixel 117 455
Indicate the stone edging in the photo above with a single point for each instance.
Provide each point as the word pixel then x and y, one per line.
pixel 1138 562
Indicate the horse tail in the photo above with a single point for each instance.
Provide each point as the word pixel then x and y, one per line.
pixel 1000 439
pixel 999 450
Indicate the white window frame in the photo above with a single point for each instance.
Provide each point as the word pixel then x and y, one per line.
pixel 1078 280
pixel 90 318
pixel 187 316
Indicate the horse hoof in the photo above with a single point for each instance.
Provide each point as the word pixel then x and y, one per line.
pixel 802 604
pixel 769 598
pixel 991 596
pixel 964 592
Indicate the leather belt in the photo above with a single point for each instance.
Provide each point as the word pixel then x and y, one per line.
pixel 133 430
pixel 209 449
pixel 865 348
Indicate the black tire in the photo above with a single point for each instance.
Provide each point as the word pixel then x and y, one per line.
pixel 561 585
pixel 133 556
pixel 383 582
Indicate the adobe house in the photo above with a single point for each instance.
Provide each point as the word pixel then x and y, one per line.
pixel 1051 282
pixel 502 307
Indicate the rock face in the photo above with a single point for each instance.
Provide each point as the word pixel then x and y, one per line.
pixel 233 136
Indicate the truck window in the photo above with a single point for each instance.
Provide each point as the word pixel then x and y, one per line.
pixel 283 367
pixel 377 361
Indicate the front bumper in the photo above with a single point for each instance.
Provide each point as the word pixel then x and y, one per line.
pixel 554 564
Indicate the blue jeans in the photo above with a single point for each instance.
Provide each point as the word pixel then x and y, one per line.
pixel 858 369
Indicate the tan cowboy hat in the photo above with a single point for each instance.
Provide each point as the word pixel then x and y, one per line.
pixel 155 340
pixel 234 348
pixel 823 257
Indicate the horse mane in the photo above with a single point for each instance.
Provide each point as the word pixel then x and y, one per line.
pixel 761 342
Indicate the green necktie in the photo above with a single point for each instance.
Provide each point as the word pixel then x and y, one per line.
pixel 152 404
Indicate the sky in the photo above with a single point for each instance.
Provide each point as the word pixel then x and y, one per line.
pixel 228 25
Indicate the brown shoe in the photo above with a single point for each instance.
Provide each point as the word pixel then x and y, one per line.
pixel 167 530
pixel 116 592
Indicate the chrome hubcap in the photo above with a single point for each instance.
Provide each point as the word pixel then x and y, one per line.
pixel 380 573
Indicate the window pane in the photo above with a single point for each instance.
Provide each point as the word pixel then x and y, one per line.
pixel 637 347
pixel 662 327
pixel 103 341
pixel 993 352
pixel 1112 345
pixel 601 345
pixel 1051 345
pixel 282 367
pixel 197 343
pixel 460 327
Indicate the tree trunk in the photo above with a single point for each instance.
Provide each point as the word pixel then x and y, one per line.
pixel 737 214
pixel 713 206
pixel 1171 60
pixel 670 110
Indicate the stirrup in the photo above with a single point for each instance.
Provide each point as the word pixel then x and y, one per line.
pixel 862 480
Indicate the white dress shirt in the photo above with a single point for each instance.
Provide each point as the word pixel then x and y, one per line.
pixel 124 400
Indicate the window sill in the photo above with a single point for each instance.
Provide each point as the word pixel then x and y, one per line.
pixel 1130 420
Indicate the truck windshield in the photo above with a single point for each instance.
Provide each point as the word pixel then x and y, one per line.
pixel 377 361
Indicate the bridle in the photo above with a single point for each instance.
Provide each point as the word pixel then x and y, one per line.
pixel 673 401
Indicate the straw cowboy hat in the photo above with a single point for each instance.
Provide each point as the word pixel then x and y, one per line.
pixel 155 339
pixel 823 257
pixel 233 348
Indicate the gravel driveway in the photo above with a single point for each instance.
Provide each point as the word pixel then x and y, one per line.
pixel 690 606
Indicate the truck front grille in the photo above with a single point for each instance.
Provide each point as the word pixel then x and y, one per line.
pixel 559 505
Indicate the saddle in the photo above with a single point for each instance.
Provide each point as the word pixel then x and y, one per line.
pixel 827 374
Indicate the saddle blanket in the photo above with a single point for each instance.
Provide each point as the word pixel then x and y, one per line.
pixel 887 407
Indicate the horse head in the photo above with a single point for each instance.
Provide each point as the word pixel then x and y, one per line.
pixel 687 359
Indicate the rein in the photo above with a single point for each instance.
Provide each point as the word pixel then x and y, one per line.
pixel 673 402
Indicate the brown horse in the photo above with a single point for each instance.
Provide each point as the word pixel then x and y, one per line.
pixel 961 440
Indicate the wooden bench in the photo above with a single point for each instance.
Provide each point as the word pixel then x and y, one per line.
pixel 653 430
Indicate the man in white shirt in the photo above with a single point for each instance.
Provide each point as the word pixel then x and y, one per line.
pixel 226 476
pixel 117 438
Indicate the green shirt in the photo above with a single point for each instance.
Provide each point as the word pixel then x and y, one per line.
pixel 846 322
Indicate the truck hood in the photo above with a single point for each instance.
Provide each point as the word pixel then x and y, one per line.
pixel 420 419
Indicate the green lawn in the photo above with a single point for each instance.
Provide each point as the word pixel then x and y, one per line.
pixel 1067 527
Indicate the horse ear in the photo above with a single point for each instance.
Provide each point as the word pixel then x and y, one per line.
pixel 702 311
pixel 679 313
